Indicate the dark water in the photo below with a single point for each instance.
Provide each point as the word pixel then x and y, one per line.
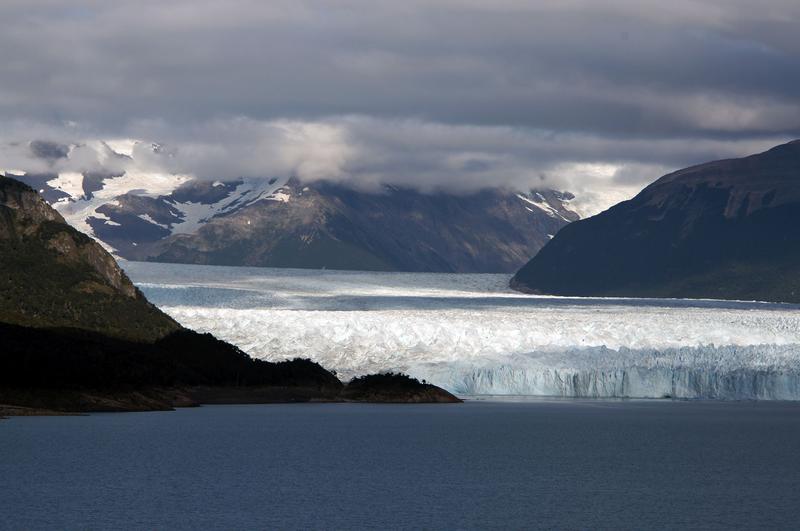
pixel 578 465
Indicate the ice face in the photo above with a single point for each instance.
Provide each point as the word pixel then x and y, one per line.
pixel 472 335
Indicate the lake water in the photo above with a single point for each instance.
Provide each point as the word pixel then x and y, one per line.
pixel 480 465
pixel 472 335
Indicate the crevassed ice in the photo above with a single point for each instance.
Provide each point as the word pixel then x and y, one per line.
pixel 471 335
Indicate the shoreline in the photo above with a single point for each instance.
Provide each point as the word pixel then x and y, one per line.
pixel 9 410
pixel 60 402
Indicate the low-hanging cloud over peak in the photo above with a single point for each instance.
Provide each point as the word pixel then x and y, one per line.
pixel 367 152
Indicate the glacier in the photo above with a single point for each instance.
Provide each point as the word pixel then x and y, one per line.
pixel 473 336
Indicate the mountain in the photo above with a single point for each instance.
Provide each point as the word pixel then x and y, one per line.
pixel 326 225
pixel 54 276
pixel 284 223
pixel 725 230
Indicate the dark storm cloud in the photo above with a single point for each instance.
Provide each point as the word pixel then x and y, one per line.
pixel 503 91
pixel 48 150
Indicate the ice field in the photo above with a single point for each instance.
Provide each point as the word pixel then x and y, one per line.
pixel 472 335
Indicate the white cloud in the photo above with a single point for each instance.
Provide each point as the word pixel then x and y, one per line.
pixel 365 152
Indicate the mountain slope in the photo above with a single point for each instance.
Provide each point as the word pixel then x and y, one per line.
pixel 725 229
pixel 51 275
pixel 280 222
pixel 394 229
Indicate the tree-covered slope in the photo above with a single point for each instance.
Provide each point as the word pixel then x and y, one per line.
pixel 51 275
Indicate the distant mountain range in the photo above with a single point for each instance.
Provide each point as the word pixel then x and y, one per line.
pixel 285 223
pixel 727 229
pixel 326 225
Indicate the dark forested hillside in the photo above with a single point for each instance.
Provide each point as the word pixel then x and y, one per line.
pixel 51 275
pixel 58 368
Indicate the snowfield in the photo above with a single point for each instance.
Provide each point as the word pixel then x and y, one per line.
pixel 474 336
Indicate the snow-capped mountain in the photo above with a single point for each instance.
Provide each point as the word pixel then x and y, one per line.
pixel 327 225
pixel 282 222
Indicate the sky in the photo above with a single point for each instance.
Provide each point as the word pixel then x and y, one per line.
pixel 596 97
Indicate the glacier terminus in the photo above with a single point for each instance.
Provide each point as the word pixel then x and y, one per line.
pixel 473 336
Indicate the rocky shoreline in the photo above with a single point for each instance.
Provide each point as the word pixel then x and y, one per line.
pixel 381 388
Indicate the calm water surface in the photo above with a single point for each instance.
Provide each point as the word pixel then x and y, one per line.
pixel 570 464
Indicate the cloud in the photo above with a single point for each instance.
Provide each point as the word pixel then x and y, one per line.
pixel 454 93
pixel 366 152
pixel 621 67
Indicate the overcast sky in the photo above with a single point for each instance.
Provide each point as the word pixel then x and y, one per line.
pixel 597 97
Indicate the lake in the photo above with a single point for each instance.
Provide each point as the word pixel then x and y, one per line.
pixel 481 465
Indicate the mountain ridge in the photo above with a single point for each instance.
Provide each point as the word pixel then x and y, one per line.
pixel 176 218
pixel 326 225
pixel 723 229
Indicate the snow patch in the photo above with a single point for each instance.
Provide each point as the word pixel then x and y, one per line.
pixel 70 183
pixel 147 218
pixel 279 196
pixel 122 146
pixel 12 173
pixel 77 209
pixel 543 205
pixel 194 215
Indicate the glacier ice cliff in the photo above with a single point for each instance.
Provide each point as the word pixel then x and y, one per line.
pixel 756 372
